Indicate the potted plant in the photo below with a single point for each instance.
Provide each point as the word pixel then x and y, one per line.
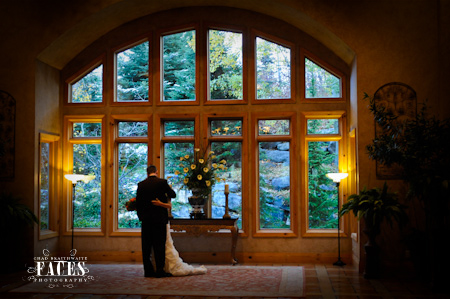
pixel 15 217
pixel 374 206
pixel 421 147
pixel 199 174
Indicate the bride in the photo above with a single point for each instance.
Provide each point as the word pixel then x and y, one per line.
pixel 174 263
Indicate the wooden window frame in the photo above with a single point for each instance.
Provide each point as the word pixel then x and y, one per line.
pixel 54 187
pixel 207 118
pixel 291 138
pixel 235 29
pixel 113 63
pixel 69 120
pixel 329 68
pixel 113 199
pixel 253 68
pixel 342 146
pixel 79 75
pixel 158 66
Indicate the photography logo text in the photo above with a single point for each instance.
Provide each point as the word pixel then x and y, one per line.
pixel 56 271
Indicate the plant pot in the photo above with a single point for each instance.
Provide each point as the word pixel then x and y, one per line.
pixel 372 250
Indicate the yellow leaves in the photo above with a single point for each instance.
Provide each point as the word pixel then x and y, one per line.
pixel 196 149
pixel 186 180
pixel 185 169
pixel 193 166
pixel 208 183
pixel 201 161
pixel 181 158
pixel 205 170
pixel 186 156
pixel 214 165
pixel 223 161
pixel 177 172
pixel 199 177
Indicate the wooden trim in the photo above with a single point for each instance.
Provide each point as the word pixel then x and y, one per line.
pixel 293 231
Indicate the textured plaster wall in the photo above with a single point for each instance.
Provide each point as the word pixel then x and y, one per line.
pixel 402 41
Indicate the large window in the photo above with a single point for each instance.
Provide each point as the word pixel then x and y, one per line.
pixel 225 65
pixel 85 151
pixel 273 70
pixel 234 89
pixel 132 74
pixel 132 158
pixel 275 175
pixel 48 190
pixel 88 88
pixel 226 141
pixel 179 66
pixel 323 144
pixel 177 142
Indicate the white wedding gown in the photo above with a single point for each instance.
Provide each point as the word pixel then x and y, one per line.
pixel 174 263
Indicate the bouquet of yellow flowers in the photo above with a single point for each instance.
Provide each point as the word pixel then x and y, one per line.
pixel 131 204
pixel 200 171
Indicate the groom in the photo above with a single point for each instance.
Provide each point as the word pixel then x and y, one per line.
pixel 152 209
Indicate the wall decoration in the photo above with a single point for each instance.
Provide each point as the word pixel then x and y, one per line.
pixel 401 100
pixel 7 135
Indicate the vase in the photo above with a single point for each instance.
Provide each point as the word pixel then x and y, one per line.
pixel 197 202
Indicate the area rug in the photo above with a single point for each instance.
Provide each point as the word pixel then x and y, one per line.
pixel 219 281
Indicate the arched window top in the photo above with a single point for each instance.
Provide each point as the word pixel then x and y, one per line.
pixel 195 61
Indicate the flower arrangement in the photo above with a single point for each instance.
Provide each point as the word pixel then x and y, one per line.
pixel 200 171
pixel 131 204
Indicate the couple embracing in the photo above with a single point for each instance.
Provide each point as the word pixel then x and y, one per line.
pixel 152 205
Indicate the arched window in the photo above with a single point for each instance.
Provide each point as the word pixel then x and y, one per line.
pixel 248 91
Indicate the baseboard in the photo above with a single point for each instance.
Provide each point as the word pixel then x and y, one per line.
pixel 223 257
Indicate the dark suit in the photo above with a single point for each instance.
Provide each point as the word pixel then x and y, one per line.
pixel 154 220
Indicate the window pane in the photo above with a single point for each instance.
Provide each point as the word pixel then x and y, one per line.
pixel 323 157
pixel 320 83
pixel 232 153
pixel 132 74
pixel 179 128
pixel 273 70
pixel 273 127
pixel 133 129
pixel 172 153
pixel 179 66
pixel 226 127
pixel 44 185
pixel 225 65
pixel 89 88
pixel 87 160
pixel 132 169
pixel 274 185
pixel 87 130
pixel 323 126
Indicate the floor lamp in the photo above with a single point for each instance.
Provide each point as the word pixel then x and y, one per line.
pixel 337 177
pixel 75 178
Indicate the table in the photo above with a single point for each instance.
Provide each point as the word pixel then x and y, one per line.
pixel 199 227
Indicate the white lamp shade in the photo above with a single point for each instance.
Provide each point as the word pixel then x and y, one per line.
pixel 337 176
pixel 74 178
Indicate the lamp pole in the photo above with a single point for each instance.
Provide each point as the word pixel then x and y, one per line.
pixel 73 207
pixel 339 262
pixel 74 178
pixel 337 177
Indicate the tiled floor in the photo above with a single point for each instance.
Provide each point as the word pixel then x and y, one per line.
pixel 322 281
